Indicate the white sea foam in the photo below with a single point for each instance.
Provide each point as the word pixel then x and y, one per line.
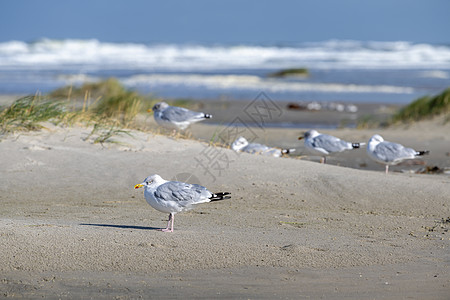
pixel 246 82
pixel 92 54
pixel 435 74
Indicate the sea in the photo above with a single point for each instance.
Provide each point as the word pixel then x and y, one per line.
pixel 339 70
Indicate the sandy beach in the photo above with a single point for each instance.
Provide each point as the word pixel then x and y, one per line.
pixel 81 134
pixel 72 226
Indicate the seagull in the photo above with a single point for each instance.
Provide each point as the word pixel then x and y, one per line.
pixel 242 145
pixel 389 153
pixel 175 117
pixel 324 144
pixel 174 196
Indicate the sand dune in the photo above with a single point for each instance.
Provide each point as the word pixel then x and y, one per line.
pixel 73 226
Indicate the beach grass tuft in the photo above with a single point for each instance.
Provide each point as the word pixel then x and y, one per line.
pixel 105 133
pixel 106 97
pixel 105 88
pixel 424 108
pixel 122 107
pixel 420 109
pixel 26 114
pixel 106 105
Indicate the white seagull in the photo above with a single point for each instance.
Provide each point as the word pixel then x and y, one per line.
pixel 242 145
pixel 324 144
pixel 389 153
pixel 175 117
pixel 174 196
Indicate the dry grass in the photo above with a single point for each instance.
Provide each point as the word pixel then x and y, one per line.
pixel 425 108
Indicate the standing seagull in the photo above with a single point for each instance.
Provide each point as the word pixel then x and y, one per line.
pixel 324 144
pixel 241 144
pixel 389 153
pixel 174 196
pixel 175 117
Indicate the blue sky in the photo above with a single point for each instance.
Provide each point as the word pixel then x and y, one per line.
pixel 226 22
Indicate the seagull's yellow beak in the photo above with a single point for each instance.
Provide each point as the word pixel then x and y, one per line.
pixel 149 110
pixel 138 185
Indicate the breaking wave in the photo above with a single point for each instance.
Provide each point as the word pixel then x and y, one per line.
pixel 94 55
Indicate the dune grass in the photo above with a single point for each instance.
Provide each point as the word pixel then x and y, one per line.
pixel 123 107
pixel 424 108
pixel 111 100
pixel 107 106
pixel 110 87
pixel 27 113
pixel 105 133
pixel 112 106
pixel 108 98
pixel 421 109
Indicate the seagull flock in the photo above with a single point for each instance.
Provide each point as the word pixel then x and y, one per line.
pixel 173 196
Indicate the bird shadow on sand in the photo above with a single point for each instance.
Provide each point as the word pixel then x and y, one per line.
pixel 122 226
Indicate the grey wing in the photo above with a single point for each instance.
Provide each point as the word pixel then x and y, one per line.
pixel 184 194
pixel 330 143
pixel 180 114
pixel 390 152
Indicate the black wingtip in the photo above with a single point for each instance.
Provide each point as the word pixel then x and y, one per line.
pixel 220 196
pixel 208 116
pixel 356 145
pixel 287 151
pixel 420 153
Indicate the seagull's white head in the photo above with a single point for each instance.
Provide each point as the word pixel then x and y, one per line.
pixel 152 181
pixel 240 143
pixel 376 139
pixel 309 134
pixel 160 106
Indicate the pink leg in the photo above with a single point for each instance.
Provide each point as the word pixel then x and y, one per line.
pixel 170 222
pixel 387 169
pixel 323 160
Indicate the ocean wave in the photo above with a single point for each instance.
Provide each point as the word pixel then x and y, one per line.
pixel 93 54
pixel 247 82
